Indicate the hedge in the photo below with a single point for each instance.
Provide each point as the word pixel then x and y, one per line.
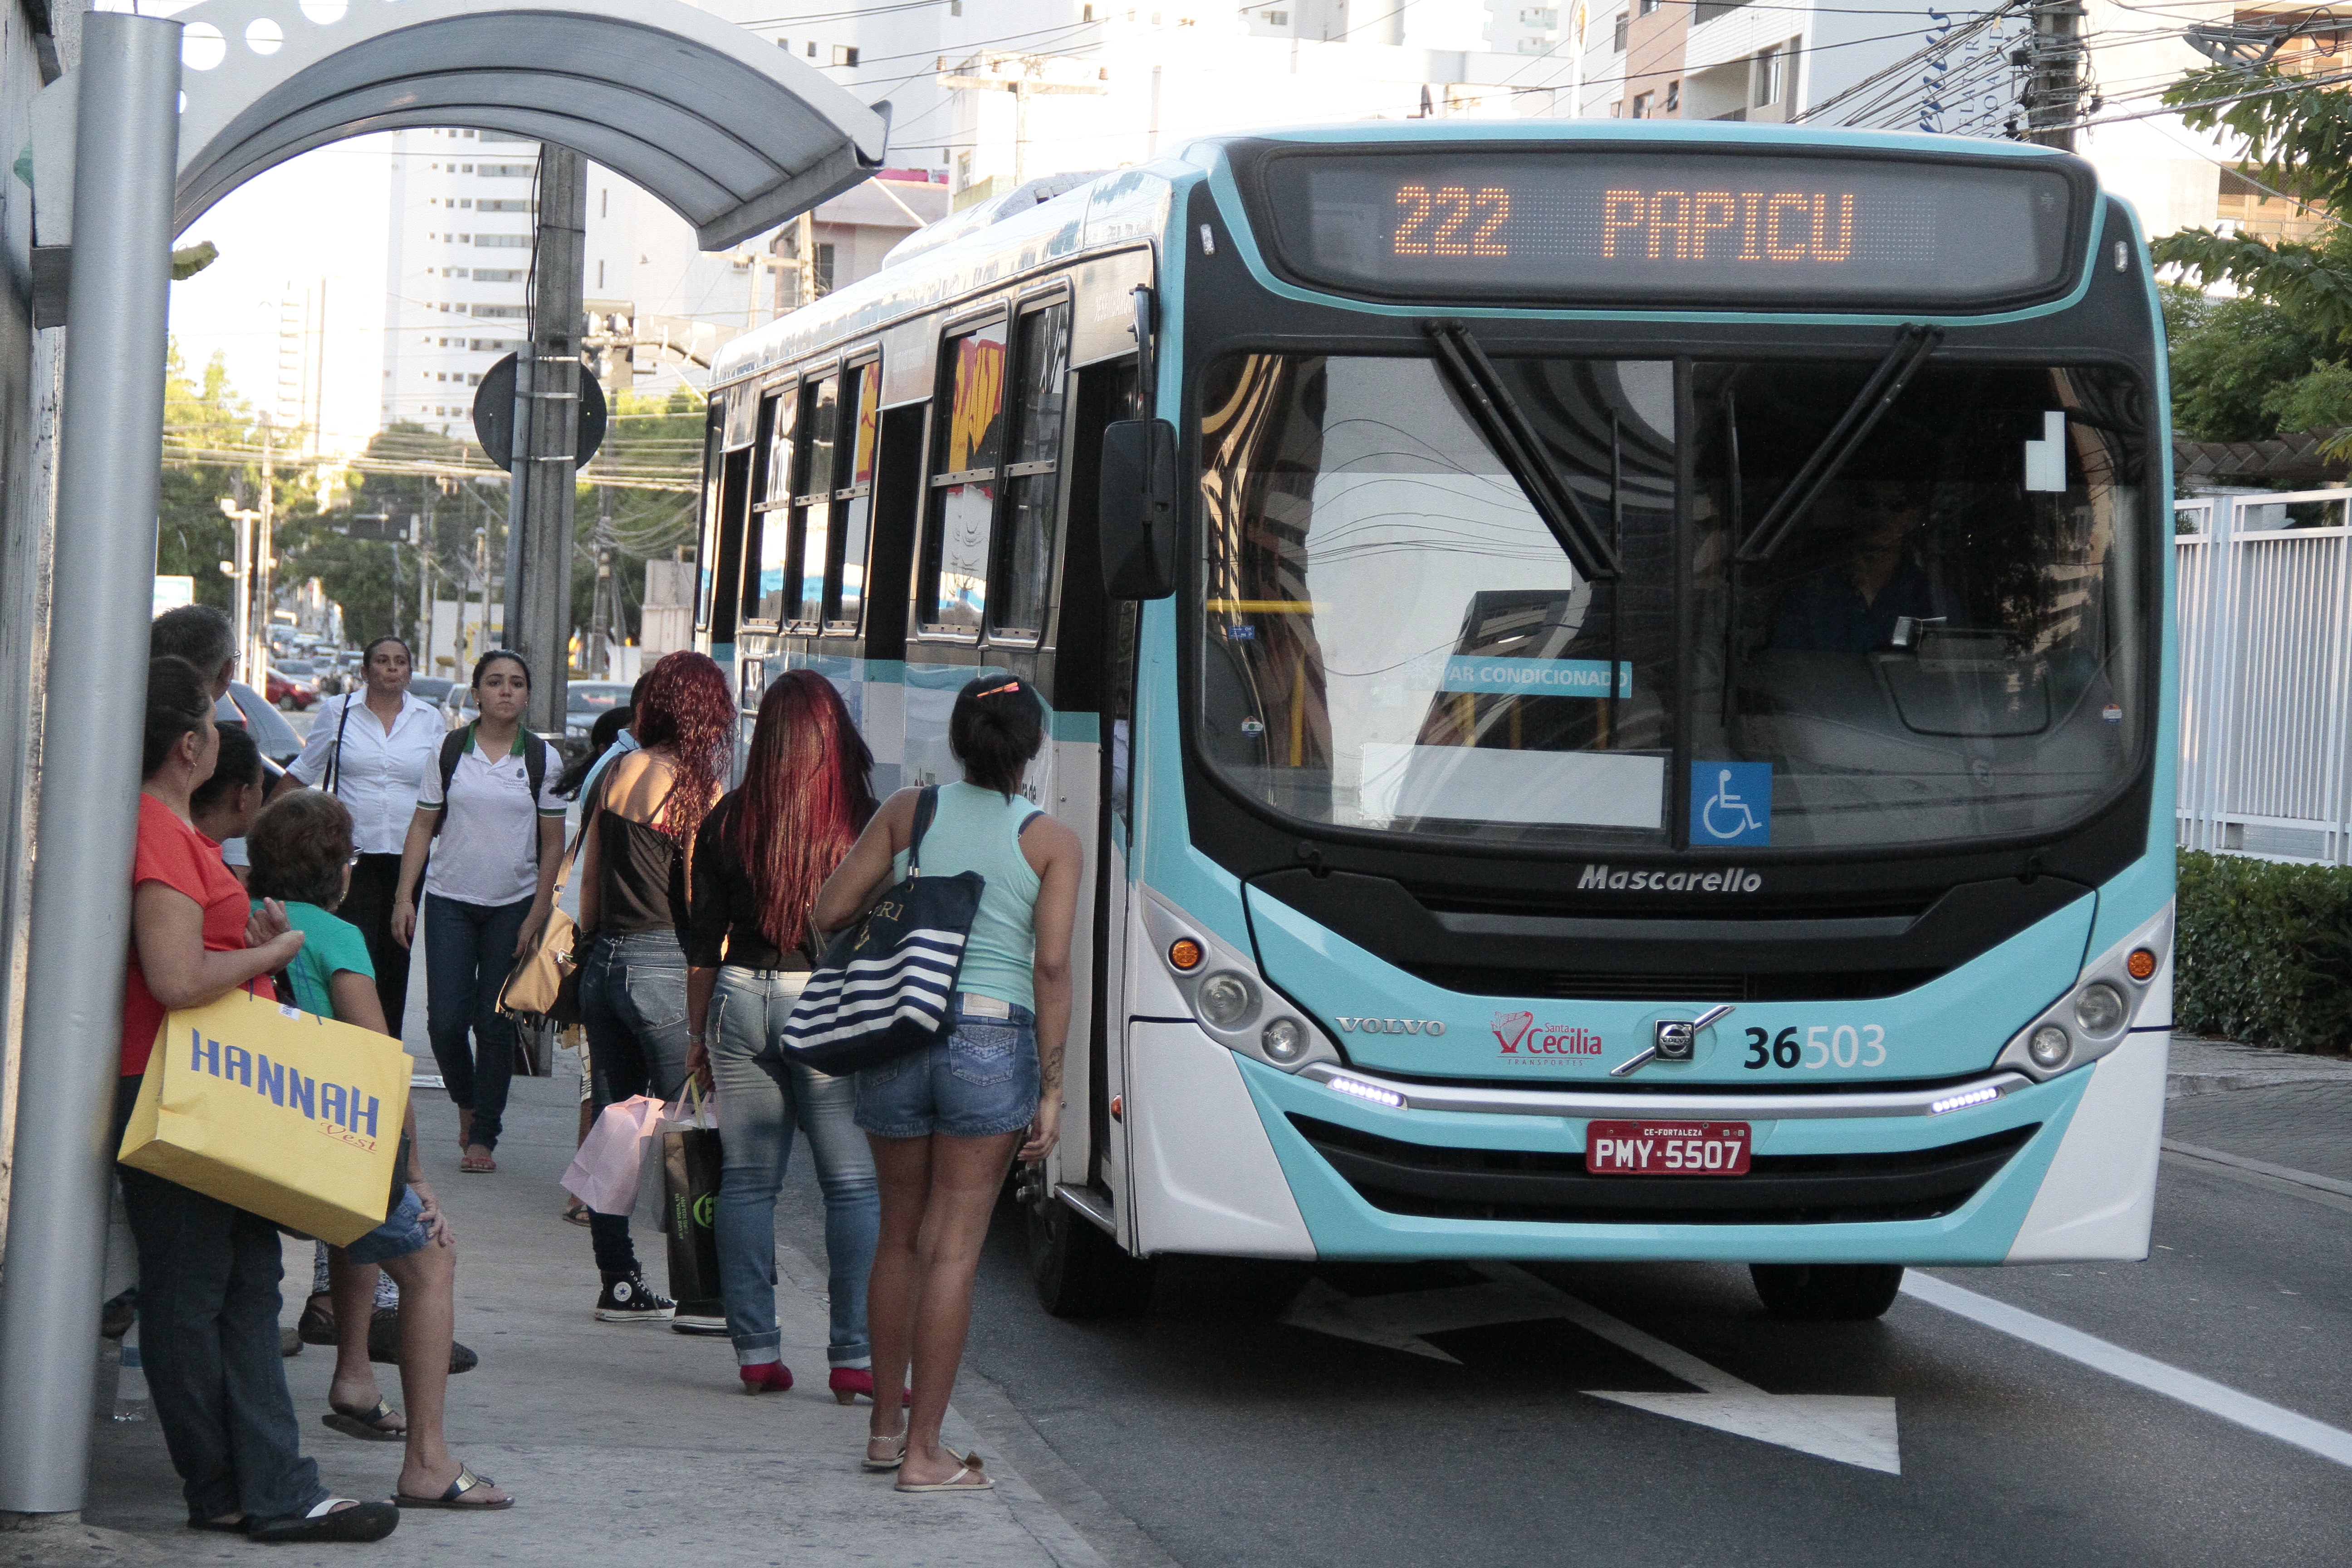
pixel 2263 952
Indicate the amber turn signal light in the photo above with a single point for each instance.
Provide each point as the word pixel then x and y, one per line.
pixel 1118 1108
pixel 1185 954
pixel 2141 964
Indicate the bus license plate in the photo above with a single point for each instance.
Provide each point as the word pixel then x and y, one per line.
pixel 1666 1148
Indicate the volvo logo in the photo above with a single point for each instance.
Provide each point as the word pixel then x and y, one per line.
pixel 1391 1027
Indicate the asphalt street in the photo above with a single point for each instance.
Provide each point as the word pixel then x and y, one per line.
pixel 1208 1433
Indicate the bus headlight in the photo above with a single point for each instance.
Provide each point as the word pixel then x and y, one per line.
pixel 1284 1041
pixel 2130 982
pixel 1226 1001
pixel 2099 1009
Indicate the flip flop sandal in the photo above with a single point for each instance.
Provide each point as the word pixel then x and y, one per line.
pixel 454 1499
pixel 970 1464
pixel 481 1164
pixel 356 1521
pixel 367 1425
pixel 577 1212
pixel 882 1467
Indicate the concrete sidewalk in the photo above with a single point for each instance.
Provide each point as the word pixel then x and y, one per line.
pixel 622 1444
pixel 2199 1066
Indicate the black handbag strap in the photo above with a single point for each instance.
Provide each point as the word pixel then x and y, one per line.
pixel 926 807
pixel 335 760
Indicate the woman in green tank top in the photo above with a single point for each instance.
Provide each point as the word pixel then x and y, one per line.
pixel 946 1122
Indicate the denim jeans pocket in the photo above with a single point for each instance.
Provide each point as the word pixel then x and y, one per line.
pixel 983 1053
pixel 656 993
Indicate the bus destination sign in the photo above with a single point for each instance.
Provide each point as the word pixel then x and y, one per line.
pixel 1666 226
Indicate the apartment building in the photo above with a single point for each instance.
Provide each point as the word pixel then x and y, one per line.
pixel 456 270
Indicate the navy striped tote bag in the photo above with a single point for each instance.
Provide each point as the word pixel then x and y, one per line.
pixel 887 985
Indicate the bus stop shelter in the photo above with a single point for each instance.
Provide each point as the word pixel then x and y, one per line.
pixel 162 119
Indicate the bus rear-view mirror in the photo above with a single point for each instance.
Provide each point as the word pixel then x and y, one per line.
pixel 1138 509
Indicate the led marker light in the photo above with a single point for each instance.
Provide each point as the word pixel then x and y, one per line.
pixel 1185 954
pixel 2050 1048
pixel 1963 1101
pixel 1362 1091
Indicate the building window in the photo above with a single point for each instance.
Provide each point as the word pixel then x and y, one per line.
pixel 845 54
pixel 1535 17
pixel 1617 34
pixel 599 277
pixel 464 201
pixel 1674 96
pixel 1277 18
pixel 1617 109
pixel 496 274
pixel 502 242
pixel 1648 7
pixel 824 268
pixel 812 48
pixel 605 201
pixel 1641 101
pixel 464 168
pixel 505 171
pixel 1770 64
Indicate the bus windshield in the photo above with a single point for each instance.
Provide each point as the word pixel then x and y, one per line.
pixel 1943 641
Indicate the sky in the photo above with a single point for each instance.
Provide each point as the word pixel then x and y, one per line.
pixel 317 219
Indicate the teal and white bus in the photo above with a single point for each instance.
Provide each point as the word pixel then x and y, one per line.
pixel 1617 676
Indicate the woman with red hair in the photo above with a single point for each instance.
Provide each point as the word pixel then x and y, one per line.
pixel 762 854
pixel 633 897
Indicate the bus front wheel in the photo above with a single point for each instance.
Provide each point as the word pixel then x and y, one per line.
pixel 1077 1270
pixel 1827 1292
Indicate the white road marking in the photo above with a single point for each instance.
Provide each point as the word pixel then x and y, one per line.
pixel 2204 1393
pixel 1851 1429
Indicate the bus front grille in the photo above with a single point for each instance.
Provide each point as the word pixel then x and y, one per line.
pixel 1826 986
pixel 1439 1183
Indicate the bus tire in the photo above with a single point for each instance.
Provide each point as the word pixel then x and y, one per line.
pixel 1077 1270
pixel 1826 1292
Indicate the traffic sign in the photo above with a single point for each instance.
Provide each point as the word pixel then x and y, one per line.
pixel 494 415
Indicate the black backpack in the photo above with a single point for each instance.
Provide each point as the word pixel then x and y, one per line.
pixel 534 764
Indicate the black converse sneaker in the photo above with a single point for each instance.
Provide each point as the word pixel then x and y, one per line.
pixel 627 1298
pixel 699 1318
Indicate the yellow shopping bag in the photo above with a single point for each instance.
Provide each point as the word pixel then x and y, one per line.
pixel 291 1116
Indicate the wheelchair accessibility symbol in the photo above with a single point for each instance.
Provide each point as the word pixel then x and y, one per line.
pixel 1731 803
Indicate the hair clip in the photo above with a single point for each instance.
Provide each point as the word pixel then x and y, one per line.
pixel 997 691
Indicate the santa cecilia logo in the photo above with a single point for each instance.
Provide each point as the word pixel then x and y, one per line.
pixel 1511 1028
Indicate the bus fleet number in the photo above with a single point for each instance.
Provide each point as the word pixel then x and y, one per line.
pixel 1845 1046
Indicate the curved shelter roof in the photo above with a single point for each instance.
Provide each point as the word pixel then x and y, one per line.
pixel 733 135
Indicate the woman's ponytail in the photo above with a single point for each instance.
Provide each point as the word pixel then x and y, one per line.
pixel 997 727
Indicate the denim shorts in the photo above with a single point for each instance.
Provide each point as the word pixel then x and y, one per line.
pixel 981 1080
pixel 397 1237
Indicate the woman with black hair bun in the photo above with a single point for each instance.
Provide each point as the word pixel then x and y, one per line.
pixel 946 1122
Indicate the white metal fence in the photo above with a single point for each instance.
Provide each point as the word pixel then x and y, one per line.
pixel 2266 617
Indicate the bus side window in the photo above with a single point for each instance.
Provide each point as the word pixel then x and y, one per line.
pixel 714 457
pixel 1033 483
pixel 768 538
pixel 967 447
pixel 844 587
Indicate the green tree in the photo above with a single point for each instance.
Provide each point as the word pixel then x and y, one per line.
pixel 2230 359
pixel 212 452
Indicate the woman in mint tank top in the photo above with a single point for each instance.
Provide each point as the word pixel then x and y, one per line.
pixel 945 1122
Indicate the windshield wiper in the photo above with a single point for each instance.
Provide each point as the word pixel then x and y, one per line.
pixel 1515 441
pixel 1912 346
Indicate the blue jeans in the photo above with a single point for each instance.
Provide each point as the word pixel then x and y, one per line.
pixel 632 1004
pixel 979 1082
pixel 469 949
pixel 761 1095
pixel 208 1309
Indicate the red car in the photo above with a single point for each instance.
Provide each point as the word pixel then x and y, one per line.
pixel 291 691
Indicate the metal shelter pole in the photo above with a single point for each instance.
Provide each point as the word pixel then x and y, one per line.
pixel 538 549
pixel 111 431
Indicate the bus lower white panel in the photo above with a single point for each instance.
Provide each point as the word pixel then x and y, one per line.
pixel 1206 1177
pixel 2100 1193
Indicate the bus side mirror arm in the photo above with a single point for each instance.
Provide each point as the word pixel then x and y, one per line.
pixel 1136 510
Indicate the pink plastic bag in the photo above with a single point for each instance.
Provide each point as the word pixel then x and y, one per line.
pixel 604 1173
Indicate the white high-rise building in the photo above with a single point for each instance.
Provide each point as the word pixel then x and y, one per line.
pixel 456 269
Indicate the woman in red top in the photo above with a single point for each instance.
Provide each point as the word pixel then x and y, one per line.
pixel 209 1272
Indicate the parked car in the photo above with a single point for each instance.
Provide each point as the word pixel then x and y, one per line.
pixel 275 738
pixel 585 702
pixel 429 688
pixel 291 691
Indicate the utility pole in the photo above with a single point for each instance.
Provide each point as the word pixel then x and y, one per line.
pixel 2054 73
pixel 265 555
pixel 547 437
pixel 1023 76
pixel 242 575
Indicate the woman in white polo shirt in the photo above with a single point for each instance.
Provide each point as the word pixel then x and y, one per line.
pixel 371 749
pixel 488 892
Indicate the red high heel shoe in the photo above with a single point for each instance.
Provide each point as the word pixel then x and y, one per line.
pixel 848 1382
pixel 768 1377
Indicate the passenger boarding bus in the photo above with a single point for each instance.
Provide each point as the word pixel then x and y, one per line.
pixel 1616 677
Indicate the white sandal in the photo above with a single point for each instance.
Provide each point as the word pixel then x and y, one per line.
pixel 969 1466
pixel 893 1462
